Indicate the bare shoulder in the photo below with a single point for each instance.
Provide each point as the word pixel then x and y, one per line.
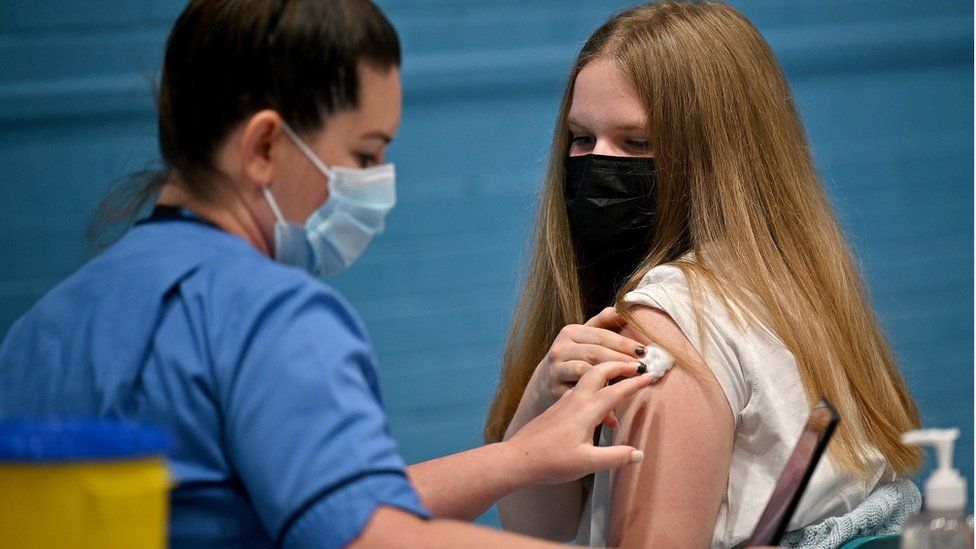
pixel 653 326
pixel 685 428
pixel 690 388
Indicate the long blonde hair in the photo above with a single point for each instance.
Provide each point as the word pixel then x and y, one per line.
pixel 738 188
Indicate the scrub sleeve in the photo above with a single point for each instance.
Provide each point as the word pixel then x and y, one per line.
pixel 305 426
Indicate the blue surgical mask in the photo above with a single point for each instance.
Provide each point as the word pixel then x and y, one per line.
pixel 338 232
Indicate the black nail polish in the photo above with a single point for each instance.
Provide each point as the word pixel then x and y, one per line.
pixel 642 369
pixel 640 350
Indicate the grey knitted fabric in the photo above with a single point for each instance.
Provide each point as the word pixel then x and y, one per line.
pixel 883 512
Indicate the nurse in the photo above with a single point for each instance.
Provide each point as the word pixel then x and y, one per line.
pixel 208 318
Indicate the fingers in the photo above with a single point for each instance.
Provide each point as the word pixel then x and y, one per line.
pixel 595 354
pixel 608 318
pixel 576 360
pixel 612 396
pixel 611 420
pixel 611 457
pixel 572 371
pixel 607 338
pixel 598 376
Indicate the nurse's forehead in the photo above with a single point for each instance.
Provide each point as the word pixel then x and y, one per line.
pixel 380 103
pixel 603 96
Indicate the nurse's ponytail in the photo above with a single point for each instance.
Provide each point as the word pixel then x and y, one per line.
pixel 228 59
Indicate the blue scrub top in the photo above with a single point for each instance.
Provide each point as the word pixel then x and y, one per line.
pixel 263 375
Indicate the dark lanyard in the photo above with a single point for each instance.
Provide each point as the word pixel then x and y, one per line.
pixel 163 213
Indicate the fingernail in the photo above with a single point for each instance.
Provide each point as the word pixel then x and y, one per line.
pixel 641 368
pixel 636 456
pixel 640 350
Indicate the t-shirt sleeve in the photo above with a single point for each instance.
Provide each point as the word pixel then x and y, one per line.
pixel 718 352
pixel 306 430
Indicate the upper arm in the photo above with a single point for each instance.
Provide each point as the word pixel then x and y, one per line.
pixel 394 528
pixel 684 426
pixel 304 427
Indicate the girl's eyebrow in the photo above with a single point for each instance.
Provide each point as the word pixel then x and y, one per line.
pixel 634 125
pixel 574 122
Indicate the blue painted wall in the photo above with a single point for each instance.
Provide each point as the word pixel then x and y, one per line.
pixel 884 86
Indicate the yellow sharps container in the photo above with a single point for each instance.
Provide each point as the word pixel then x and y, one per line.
pixel 82 484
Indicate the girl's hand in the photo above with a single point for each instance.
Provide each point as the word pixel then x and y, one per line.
pixel 576 349
pixel 557 447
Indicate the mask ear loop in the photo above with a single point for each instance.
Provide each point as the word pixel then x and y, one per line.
pixel 274 205
pixel 313 158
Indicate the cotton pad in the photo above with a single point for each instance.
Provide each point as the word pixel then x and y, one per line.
pixel 657 362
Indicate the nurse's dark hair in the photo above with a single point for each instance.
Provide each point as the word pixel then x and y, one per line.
pixel 228 59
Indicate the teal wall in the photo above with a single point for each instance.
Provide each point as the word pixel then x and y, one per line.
pixel 884 87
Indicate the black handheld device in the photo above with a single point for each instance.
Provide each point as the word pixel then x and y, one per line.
pixel 793 481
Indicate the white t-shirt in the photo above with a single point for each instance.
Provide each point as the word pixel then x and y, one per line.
pixel 762 385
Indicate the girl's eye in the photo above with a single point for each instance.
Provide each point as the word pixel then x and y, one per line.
pixel 582 140
pixel 638 144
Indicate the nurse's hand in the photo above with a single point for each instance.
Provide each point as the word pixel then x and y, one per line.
pixel 578 348
pixel 557 446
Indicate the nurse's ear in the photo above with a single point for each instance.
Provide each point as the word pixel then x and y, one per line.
pixel 261 146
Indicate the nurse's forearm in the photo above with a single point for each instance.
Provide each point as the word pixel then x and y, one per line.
pixel 391 527
pixel 462 486
pixel 545 511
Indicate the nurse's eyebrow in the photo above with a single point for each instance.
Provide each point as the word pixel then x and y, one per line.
pixel 386 138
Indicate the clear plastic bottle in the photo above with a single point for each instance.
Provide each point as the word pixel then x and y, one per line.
pixel 943 524
pixel 938 530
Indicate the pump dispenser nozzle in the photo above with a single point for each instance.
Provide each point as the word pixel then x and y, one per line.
pixel 945 490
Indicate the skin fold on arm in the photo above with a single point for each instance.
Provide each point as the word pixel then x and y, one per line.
pixel 685 427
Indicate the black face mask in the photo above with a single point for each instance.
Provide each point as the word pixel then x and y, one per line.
pixel 610 201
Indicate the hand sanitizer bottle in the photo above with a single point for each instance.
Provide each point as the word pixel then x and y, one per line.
pixel 943 522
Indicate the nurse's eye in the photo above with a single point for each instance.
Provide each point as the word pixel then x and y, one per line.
pixel 367 160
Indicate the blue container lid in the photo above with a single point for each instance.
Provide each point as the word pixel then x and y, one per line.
pixel 78 440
